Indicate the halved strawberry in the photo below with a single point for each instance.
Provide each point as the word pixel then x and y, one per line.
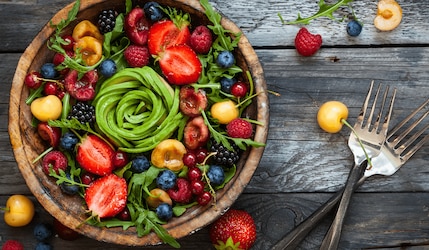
pixel 81 89
pixel 106 196
pixel 167 33
pixel 180 65
pixel 95 155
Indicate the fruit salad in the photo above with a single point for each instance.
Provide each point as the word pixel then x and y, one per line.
pixel 143 114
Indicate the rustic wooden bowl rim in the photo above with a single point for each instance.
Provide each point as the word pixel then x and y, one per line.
pixel 21 132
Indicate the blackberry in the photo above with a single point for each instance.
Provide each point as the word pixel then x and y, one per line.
pixel 83 112
pixel 106 20
pixel 223 156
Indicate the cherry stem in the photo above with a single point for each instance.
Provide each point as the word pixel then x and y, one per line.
pixel 5 209
pixel 344 121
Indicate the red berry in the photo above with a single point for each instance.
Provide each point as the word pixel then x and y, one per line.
pixel 82 89
pixel 87 178
pixel 201 154
pixel 50 88
pixel 196 133
pixel 204 198
pixel 194 173
pixel 120 159
pixel 12 245
pixel 137 26
pixel 137 56
pixel 33 80
pixel 192 101
pixel 70 42
pixel 64 232
pixel 54 160
pixel 197 187
pixel 124 215
pixel 239 89
pixel 182 193
pixel 201 39
pixel 189 159
pixel 50 134
pixel 58 59
pixel 239 128
pixel 306 43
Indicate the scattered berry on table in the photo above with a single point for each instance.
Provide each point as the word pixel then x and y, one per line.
pixel 307 44
pixel 68 141
pixel 108 68
pixel 12 245
pixel 42 231
pixel 64 232
pixel 43 246
pixel 166 179
pixel 239 89
pixel 54 160
pixel 106 20
pixel 204 198
pixel 68 188
pixel 354 28
pixel 223 156
pixel 48 71
pixel 239 128
pixel 201 39
pixel 83 112
pixel 216 174
pixel 225 59
pixel 153 11
pixel 137 56
pixel 140 164
pixel 182 193
pixel 164 211
pixel 226 84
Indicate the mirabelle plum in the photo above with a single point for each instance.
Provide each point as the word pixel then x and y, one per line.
pixel 169 154
pixel 46 108
pixel 90 48
pixel 224 111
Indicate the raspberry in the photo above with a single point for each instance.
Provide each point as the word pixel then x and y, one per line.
pixel 306 43
pixel 201 40
pixel 12 245
pixel 137 56
pixel 239 128
pixel 182 193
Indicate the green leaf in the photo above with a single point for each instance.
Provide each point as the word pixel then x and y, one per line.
pixel 325 10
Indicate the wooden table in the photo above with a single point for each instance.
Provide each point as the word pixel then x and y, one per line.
pixel 302 166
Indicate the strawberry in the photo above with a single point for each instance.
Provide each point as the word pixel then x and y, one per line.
pixel 235 229
pixel 12 245
pixel 106 196
pixel 136 26
pixel 95 155
pixel 239 128
pixel 82 89
pixel 307 44
pixel 167 33
pixel 201 39
pixel 137 56
pixel 180 65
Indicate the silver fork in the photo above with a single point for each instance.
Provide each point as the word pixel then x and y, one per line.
pixel 394 154
pixel 372 136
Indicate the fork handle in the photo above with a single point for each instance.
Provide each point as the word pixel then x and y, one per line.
pixel 332 238
pixel 294 237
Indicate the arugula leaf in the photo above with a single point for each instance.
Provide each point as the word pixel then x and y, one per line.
pixel 326 10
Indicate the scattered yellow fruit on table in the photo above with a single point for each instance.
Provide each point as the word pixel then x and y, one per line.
pixel 389 15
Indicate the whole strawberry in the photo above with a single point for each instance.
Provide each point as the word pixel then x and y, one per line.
pixel 137 56
pixel 307 44
pixel 235 229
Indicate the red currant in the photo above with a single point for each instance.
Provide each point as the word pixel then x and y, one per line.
pixel 190 159
pixel 197 187
pixel 58 59
pixel 239 89
pixel 194 173
pixel 69 39
pixel 33 80
pixel 87 178
pixel 120 159
pixel 50 88
pixel 201 155
pixel 204 198
pixel 124 215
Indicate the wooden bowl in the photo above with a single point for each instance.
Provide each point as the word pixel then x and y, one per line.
pixel 69 210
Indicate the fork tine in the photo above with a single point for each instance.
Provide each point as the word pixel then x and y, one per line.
pixel 362 113
pixel 389 114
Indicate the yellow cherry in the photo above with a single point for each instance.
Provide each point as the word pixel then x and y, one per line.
pixel 46 108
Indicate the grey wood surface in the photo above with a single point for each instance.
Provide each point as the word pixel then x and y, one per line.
pixel 302 166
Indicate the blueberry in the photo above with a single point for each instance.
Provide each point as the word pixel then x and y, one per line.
pixel 216 174
pixel 108 68
pixel 140 164
pixel 164 211
pixel 68 141
pixel 42 231
pixel 153 11
pixel 48 71
pixel 43 246
pixel 166 179
pixel 354 28
pixel 69 188
pixel 225 59
pixel 226 84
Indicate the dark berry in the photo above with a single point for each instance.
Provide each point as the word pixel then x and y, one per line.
pixel 83 112
pixel 223 156
pixel 164 212
pixel 48 71
pixel 197 187
pixel 166 179
pixel 204 198
pixel 108 68
pixel 124 214
pixel 43 246
pixel 225 59
pixel 189 159
pixel 42 231
pixel 152 10
pixel 69 188
pixel 226 84
pixel 194 173
pixel 106 20
pixel 140 164
pixel 216 174
pixel 68 141
pixel 354 28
